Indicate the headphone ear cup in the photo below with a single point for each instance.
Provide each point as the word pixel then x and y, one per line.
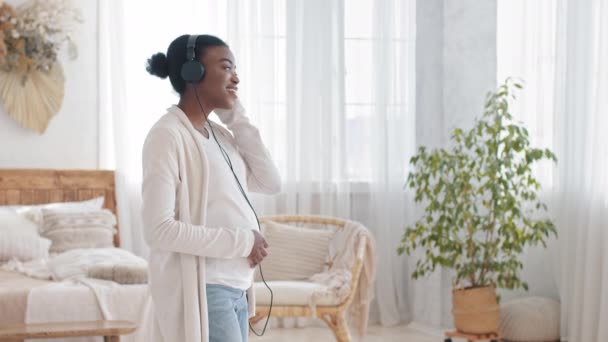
pixel 192 71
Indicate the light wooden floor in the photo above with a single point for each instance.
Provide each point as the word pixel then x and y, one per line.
pixel 400 333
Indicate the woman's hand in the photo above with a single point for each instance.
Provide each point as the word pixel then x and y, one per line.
pixel 258 252
pixel 227 116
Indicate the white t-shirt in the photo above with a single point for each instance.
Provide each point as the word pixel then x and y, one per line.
pixel 226 207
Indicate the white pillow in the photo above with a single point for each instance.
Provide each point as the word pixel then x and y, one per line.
pixel 23 247
pixel 532 319
pixel 34 211
pixel 78 229
pixel 295 253
pixel 12 222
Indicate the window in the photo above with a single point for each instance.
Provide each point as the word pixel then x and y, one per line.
pixel 377 78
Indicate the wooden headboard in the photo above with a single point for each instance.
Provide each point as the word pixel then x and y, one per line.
pixel 38 186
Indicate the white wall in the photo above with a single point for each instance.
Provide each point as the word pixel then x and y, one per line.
pixel 429 72
pixel 455 65
pixel 71 138
pixel 469 59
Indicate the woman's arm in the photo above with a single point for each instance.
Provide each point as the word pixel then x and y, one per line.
pixel 262 174
pixel 161 230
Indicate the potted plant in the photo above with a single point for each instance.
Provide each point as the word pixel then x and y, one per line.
pixel 481 209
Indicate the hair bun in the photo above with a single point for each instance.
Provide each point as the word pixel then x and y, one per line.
pixel 158 65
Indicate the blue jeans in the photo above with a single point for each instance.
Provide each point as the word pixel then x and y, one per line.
pixel 228 316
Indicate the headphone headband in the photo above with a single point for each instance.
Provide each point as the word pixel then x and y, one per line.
pixel 192 70
pixel 191 47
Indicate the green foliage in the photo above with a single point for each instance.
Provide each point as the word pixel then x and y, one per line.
pixel 476 196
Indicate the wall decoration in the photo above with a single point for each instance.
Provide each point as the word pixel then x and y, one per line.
pixel 31 76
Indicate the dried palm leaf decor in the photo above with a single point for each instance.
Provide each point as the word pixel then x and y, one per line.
pixel 31 76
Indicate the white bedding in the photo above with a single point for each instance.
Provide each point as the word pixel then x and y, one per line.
pixel 73 297
pixel 91 299
pixel 74 263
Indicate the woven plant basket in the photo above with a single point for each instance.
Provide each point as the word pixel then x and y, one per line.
pixel 476 310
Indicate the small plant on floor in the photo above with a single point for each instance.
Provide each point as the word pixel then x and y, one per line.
pixel 481 201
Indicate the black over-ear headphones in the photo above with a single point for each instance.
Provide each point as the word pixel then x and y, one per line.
pixel 192 70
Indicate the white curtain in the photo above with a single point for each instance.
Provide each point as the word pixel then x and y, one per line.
pixel 526 51
pixel 391 144
pixel 561 51
pixel 328 82
pixel 582 178
pixel 525 46
pixel 120 139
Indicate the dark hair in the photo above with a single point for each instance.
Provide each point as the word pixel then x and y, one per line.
pixel 162 65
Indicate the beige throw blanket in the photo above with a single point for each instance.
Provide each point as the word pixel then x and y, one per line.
pixel 337 278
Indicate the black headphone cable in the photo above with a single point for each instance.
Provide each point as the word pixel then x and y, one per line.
pixel 229 162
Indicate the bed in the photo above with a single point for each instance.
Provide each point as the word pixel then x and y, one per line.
pixel 37 186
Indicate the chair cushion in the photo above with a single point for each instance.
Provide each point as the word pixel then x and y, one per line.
pixel 532 319
pixel 296 253
pixel 291 293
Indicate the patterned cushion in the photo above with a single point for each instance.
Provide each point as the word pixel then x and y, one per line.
pixel 34 211
pixel 295 253
pixel 78 229
pixel 532 319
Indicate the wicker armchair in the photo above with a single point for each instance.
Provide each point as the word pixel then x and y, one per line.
pixel 332 315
